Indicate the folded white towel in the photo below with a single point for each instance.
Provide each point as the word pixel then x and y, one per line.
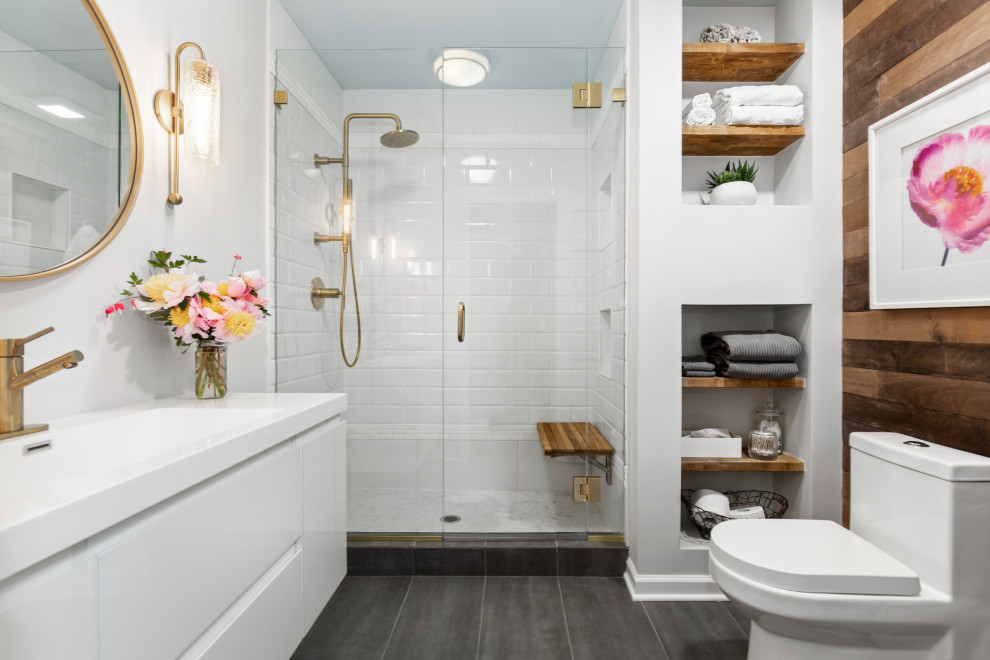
pixel 759 95
pixel 761 115
pixel 700 117
pixel 702 100
pixel 711 433
pixel 747 513
pixel 711 500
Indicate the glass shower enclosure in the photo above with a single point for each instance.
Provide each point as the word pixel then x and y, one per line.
pixel 489 264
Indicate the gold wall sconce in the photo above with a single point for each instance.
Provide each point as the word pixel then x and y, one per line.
pixel 191 111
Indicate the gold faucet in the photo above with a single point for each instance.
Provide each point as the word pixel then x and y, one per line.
pixel 13 380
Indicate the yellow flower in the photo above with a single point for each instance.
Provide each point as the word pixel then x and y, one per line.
pixel 178 317
pixel 215 304
pixel 222 288
pixel 155 287
pixel 239 324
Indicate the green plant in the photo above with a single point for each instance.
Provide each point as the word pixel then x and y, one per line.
pixel 743 170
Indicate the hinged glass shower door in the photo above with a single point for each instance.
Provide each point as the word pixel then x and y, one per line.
pixel 518 329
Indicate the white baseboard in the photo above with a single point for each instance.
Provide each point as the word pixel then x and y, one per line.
pixel 670 587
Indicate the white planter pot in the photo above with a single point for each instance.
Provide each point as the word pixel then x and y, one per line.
pixel 734 192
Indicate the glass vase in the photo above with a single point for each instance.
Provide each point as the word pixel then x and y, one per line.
pixel 211 370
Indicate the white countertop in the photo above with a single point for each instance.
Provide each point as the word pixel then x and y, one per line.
pixel 106 466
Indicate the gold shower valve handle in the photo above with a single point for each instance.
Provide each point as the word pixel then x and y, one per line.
pixel 318 293
pixel 460 322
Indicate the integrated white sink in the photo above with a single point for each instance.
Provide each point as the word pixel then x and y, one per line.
pixel 57 465
pixel 89 472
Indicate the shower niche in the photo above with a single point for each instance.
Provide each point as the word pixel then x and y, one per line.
pixel 782 153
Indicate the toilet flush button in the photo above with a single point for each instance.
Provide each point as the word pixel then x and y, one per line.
pixel 916 443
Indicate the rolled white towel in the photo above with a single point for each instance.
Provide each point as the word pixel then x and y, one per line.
pixel 711 500
pixel 702 100
pixel 747 513
pixel 700 117
pixel 759 95
pixel 761 115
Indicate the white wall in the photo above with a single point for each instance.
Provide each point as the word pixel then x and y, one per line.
pixel 770 255
pixel 224 213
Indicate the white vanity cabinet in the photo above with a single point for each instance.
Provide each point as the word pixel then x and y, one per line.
pixel 236 567
pixel 51 612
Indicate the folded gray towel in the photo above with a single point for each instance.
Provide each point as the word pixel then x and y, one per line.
pixel 696 363
pixel 762 370
pixel 750 346
pixel 699 374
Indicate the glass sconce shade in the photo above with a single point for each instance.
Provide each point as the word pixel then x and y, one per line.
pixel 200 97
pixel 347 207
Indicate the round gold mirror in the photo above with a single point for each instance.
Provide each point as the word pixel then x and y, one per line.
pixel 70 137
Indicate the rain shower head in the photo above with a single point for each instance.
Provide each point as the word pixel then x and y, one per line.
pixel 399 139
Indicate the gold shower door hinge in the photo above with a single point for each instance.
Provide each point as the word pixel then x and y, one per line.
pixel 587 489
pixel 281 97
pixel 587 95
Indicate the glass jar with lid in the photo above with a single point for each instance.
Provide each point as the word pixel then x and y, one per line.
pixel 771 419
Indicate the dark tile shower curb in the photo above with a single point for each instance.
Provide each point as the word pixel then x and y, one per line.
pixel 487 558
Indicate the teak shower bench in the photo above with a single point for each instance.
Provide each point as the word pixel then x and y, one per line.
pixel 576 439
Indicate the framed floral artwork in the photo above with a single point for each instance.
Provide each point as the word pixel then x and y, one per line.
pixel 930 199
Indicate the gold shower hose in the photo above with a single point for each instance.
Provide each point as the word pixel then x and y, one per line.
pixel 343 304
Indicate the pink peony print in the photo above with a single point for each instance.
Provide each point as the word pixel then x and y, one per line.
pixel 947 188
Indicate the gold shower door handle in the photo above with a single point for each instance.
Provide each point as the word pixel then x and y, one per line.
pixel 460 321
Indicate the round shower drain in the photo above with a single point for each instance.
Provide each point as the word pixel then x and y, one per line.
pixel 451 518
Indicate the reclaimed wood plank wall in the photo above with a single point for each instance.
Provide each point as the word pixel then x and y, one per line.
pixel 923 372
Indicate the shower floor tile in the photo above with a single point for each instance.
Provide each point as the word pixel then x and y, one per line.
pixel 411 510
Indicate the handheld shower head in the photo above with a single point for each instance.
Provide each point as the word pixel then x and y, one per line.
pixel 399 139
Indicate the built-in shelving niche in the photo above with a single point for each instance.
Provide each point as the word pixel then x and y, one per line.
pixel 734 408
pixel 783 154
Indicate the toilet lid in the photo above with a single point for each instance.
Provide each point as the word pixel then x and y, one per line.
pixel 816 556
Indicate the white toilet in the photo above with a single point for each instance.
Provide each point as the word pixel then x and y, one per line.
pixel 910 581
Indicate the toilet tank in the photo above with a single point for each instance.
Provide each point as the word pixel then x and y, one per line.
pixel 925 504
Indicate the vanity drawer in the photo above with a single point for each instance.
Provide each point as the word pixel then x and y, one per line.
pixel 49 613
pixel 161 588
pixel 269 626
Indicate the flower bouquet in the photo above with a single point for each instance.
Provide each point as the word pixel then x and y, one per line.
pixel 198 311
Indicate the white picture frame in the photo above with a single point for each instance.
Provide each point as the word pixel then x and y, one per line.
pixel 910 263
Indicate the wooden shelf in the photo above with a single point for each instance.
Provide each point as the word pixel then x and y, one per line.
pixel 737 62
pixel 572 439
pixel 786 383
pixel 725 140
pixel 784 463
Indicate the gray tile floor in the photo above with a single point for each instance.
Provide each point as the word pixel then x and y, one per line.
pixel 516 618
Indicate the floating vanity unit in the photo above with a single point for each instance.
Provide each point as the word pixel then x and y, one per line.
pixel 175 528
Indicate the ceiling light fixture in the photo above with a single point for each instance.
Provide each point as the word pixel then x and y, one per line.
pixel 461 68
pixel 61 111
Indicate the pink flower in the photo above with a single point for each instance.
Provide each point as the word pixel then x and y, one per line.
pixel 237 257
pixel 239 322
pixel 947 187
pixel 119 307
pixel 254 280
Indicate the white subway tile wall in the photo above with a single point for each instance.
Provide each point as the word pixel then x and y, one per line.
pixel 491 208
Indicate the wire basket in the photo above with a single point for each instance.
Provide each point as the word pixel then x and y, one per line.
pixel 774 506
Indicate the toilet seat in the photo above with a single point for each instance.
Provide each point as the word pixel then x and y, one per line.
pixel 815 556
